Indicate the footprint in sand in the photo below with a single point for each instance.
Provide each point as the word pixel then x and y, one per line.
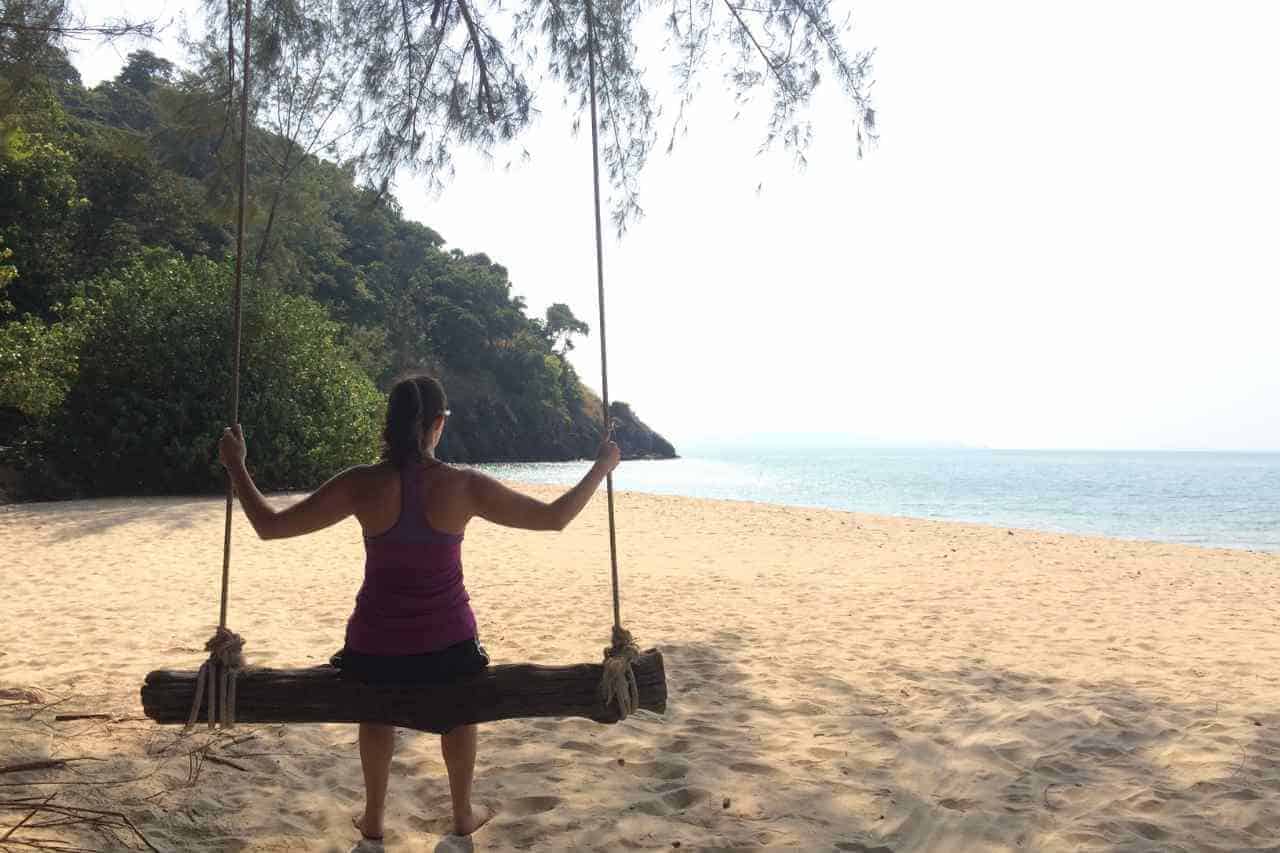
pixel 956 804
pixel 678 746
pixel 706 731
pixel 806 709
pixel 825 752
pixel 1244 794
pixel 526 806
pixel 672 802
pixel 581 746
pixel 520 807
pixel 683 798
pixel 539 767
pixel 660 769
pixel 752 767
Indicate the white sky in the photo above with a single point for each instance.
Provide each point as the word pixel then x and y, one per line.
pixel 1066 238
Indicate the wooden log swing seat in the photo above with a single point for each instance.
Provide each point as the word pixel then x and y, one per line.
pixel 321 695
pixel 626 681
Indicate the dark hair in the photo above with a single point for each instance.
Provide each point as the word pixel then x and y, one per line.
pixel 414 404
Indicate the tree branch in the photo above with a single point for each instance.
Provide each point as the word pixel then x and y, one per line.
pixel 485 91
pixel 772 67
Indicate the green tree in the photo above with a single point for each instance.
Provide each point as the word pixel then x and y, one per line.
pixel 561 326
pixel 148 401
pixel 38 363
pixel 8 272
pixel 32 37
pixel 40 202
pixel 143 71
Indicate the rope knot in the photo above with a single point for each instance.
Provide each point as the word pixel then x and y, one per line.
pixel 618 681
pixel 219 673
pixel 225 648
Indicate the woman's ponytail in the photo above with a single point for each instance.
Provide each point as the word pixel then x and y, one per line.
pixel 403 432
pixel 414 404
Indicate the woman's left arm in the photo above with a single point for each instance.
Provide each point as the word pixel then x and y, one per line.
pixel 326 506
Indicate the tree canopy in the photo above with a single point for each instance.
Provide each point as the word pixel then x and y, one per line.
pixel 393 84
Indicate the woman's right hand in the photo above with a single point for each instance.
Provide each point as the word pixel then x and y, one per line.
pixel 608 456
pixel 231 447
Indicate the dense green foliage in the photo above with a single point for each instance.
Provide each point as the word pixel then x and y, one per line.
pixel 143 410
pixel 116 215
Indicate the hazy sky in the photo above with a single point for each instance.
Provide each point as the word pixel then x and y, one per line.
pixel 1067 237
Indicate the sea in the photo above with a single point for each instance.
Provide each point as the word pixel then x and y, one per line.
pixel 1214 499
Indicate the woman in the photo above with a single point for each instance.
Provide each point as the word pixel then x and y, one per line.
pixel 412 620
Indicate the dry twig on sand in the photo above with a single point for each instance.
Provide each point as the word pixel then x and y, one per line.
pixel 103 821
pixel 44 764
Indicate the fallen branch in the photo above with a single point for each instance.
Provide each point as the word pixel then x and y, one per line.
pixel 104 783
pixel 22 695
pixel 44 707
pixel 51 764
pixel 226 763
pixel 96 817
pixel 30 815
pixel 44 764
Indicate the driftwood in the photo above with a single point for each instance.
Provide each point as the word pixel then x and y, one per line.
pixel 321 694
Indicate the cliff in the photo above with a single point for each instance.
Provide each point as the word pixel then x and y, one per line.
pixel 635 438
pixel 489 427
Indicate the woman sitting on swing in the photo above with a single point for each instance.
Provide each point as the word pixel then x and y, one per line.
pixel 412 620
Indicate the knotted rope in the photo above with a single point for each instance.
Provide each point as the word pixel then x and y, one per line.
pixel 218 674
pixel 618 682
pixel 225 661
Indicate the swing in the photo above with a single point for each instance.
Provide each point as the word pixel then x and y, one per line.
pixel 607 692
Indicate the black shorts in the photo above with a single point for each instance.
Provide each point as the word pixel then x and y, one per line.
pixel 449 664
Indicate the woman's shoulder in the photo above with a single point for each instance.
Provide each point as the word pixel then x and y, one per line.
pixel 371 471
pixel 447 475
pixel 362 478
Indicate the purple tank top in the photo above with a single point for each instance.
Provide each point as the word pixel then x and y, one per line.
pixel 413 599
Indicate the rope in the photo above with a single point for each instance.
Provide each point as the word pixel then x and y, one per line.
pixel 218 673
pixel 235 297
pixel 618 680
pixel 604 350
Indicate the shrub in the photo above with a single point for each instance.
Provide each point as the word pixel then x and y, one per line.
pixel 145 409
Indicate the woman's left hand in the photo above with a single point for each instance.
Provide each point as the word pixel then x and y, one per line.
pixel 231 448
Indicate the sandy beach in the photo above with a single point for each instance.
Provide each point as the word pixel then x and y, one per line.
pixel 838 682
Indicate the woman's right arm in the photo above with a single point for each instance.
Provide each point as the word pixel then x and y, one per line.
pixel 495 502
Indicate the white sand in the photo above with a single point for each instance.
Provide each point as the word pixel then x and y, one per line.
pixel 837 681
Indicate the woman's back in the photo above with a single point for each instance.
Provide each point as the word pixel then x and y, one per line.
pixel 413 599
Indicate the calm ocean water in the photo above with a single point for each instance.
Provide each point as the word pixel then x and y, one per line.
pixel 1198 498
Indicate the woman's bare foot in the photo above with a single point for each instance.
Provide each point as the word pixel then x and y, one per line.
pixel 358 822
pixel 477 818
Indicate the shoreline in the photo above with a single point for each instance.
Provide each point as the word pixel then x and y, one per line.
pixel 547 491
pixel 1208 507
